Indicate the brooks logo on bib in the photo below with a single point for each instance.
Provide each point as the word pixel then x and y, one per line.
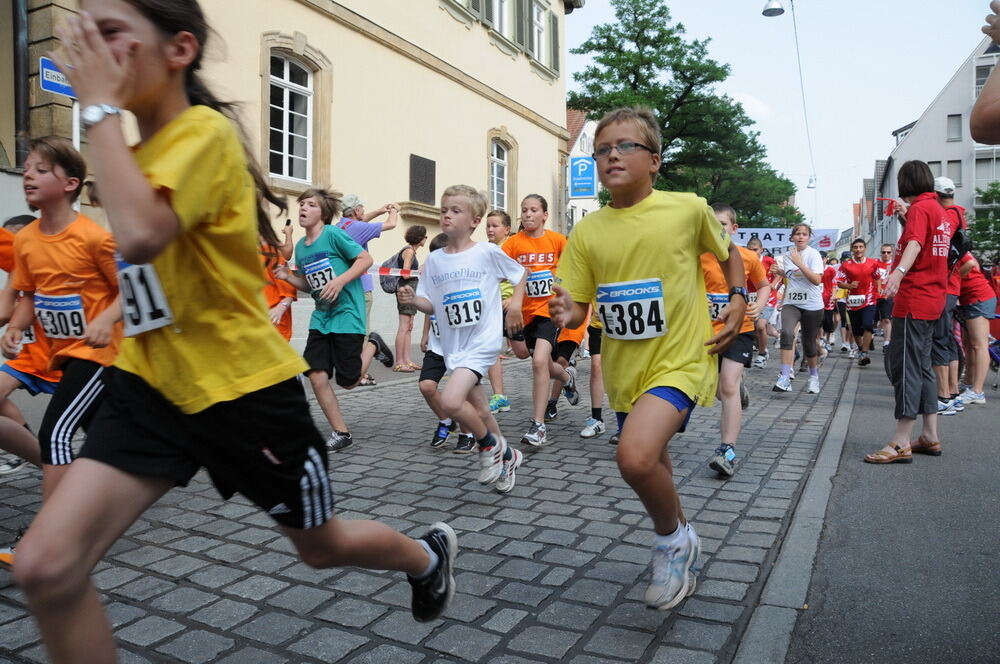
pixel 144 304
pixel 318 273
pixel 463 308
pixel 61 316
pixel 632 310
pixel 855 300
pixel 539 284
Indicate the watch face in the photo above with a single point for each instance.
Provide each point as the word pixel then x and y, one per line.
pixel 92 114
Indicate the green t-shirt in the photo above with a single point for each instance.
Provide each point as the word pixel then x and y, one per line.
pixel 331 255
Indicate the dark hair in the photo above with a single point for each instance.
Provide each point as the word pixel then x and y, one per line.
pixel 540 199
pixel 823 255
pixel 725 208
pixel 173 16
pixel 504 217
pixel 60 152
pixel 439 242
pixel 856 240
pixel 914 178
pixel 798 226
pixel 18 220
pixel 415 234
pixel 755 241
pixel 329 202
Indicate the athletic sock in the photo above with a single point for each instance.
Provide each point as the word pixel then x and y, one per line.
pixel 446 421
pixel 597 414
pixel 786 370
pixel 553 402
pixel 487 441
pixel 507 454
pixel 673 539
pixel 814 373
pixel 433 563
pixel 954 396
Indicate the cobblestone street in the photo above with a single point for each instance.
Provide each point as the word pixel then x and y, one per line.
pixel 554 571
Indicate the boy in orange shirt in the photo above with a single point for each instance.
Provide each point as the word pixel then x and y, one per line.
pixel 538 250
pixel 737 356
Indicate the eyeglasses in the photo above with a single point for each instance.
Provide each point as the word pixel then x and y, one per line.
pixel 624 148
pixel 886 252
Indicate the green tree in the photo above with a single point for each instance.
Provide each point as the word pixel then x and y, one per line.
pixel 986 225
pixel 708 147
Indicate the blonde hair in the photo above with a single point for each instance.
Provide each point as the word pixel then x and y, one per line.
pixel 644 121
pixel 476 198
pixel 329 202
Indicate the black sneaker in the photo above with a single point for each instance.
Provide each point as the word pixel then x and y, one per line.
pixel 864 360
pixel 431 596
pixel 614 439
pixel 551 411
pixel 441 434
pixel 339 440
pixel 382 351
pixel 465 445
pixel 724 460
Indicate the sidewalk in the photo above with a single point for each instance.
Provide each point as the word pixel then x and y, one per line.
pixel 905 570
pixel 553 572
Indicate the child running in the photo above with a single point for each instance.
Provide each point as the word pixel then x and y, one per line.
pixel 460 288
pixel 639 258
pixel 538 250
pixel 497 232
pixel 211 385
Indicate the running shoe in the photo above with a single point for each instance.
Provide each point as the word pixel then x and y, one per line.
pixel 506 480
pixel 615 438
pixel 671 581
pixel 885 344
pixel 339 440
pixel 433 594
pixel 491 460
pixel 569 389
pixel 945 408
pixel 744 396
pixel 760 361
pixel 784 384
pixel 441 434
pixel 812 386
pixel 844 348
pixel 7 552
pixel 864 360
pixel 853 354
pixel 499 403
pixel 592 427
pixel 11 464
pixel 535 435
pixel 958 403
pixel 551 411
pixel 382 351
pixel 972 397
pixel 724 460
pixel 584 353
pixel 466 444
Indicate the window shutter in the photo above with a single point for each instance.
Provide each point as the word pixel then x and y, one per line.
pixel 520 26
pixel 554 41
pixel 488 8
pixel 476 6
pixel 422 180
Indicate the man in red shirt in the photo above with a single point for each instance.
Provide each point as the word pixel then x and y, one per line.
pixel 829 304
pixel 883 304
pixel 944 353
pixel 860 276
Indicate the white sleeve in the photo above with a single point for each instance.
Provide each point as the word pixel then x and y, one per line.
pixel 816 262
pixel 505 266
pixel 425 278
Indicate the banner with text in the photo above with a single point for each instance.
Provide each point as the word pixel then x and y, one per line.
pixel 779 240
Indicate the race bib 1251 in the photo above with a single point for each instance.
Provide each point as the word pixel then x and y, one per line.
pixel 632 310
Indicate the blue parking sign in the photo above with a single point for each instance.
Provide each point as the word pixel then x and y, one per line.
pixel 52 80
pixel 582 177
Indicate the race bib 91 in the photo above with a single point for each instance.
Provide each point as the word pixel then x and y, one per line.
pixel 855 300
pixel 318 273
pixel 539 284
pixel 632 310
pixel 61 316
pixel 715 303
pixel 144 304
pixel 463 308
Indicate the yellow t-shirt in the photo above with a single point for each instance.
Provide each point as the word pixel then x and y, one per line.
pixel 641 265
pixel 221 344
pixel 506 288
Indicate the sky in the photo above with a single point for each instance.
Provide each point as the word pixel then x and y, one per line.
pixel 870 67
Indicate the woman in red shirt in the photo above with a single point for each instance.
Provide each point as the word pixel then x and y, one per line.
pixel 977 307
pixel 918 280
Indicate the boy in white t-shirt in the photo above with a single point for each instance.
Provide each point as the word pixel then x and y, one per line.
pixel 460 288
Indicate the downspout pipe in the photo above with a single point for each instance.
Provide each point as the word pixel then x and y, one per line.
pixel 21 114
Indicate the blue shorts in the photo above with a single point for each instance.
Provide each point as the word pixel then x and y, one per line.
pixel 33 384
pixel 985 309
pixel 678 399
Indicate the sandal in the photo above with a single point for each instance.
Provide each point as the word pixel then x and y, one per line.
pixel 403 368
pixel 368 380
pixel 898 454
pixel 924 446
pixel 415 367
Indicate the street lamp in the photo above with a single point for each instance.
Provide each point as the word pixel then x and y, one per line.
pixel 773 8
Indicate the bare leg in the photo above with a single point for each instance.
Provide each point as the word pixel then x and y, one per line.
pixel 456 402
pixel 14 438
pixel 403 340
pixel 729 397
pixel 429 390
pixel 367 353
pixel 367 544
pixel 979 353
pixel 541 370
pixel 495 375
pixel 596 382
pixel 327 399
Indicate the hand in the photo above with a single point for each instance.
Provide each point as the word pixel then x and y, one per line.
pixel 992 27
pixel 892 283
pixel 391 208
pixel 277 312
pixel 405 294
pixel 10 345
pixel 901 207
pixel 332 290
pixel 795 256
pixel 514 321
pixel 775 269
pixel 754 309
pixel 98 74
pixel 281 271
pixel 561 307
pixel 287 231
pixel 98 333
pixel 732 315
pixel 423 344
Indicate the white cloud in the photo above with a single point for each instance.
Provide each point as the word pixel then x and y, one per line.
pixel 754 107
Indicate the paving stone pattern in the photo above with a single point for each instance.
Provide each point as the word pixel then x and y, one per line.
pixel 554 571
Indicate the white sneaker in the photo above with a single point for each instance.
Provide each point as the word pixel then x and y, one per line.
pixel 971 397
pixel 535 435
pixel 11 464
pixel 844 348
pixel 885 344
pixel 853 354
pixel 592 427
pixel 491 461
pixel 506 480
pixel 760 361
pixel 945 408
pixel 784 384
pixel 812 387
pixel 672 576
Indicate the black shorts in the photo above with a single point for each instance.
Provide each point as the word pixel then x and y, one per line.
pixel 263 445
pixel 862 320
pixel 73 405
pixel 884 309
pixel 540 327
pixel 432 368
pixel 828 326
pixel 842 310
pixel 741 350
pixel 594 335
pixel 565 350
pixel 340 352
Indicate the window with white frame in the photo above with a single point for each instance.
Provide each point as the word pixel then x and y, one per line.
pixel 982 73
pixel 498 175
pixel 290 123
pixel 501 21
pixel 955 172
pixel 538 21
pixel 987 170
pixel 935 167
pixel 954 127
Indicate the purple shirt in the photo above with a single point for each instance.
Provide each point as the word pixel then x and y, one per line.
pixel 362 232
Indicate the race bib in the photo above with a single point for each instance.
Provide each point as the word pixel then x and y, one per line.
pixel 715 303
pixel 28 335
pixel 855 300
pixel 539 284
pixel 61 316
pixel 751 297
pixel 463 308
pixel 435 330
pixel 144 304
pixel 632 310
pixel 796 296
pixel 318 273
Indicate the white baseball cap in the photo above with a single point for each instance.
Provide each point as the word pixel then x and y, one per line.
pixel 943 185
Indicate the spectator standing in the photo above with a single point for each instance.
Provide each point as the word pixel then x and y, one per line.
pixel 415 238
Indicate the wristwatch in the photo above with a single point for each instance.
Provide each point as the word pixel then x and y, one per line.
pixel 738 290
pixel 901 269
pixel 94 113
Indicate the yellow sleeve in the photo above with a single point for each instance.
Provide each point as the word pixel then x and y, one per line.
pixel 712 236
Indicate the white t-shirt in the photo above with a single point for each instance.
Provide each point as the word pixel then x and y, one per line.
pixel 799 291
pixel 464 290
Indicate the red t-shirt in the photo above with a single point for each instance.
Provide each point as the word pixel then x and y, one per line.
pixel 922 291
pixel 956 214
pixel 829 276
pixel 865 273
pixel 975 287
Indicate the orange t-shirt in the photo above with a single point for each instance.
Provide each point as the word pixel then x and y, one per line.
pixel 73 278
pixel 575 334
pixel 275 290
pixel 36 355
pixel 6 250
pixel 540 256
pixel 717 288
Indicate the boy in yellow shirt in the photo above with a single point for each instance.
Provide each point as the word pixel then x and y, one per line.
pixel 639 259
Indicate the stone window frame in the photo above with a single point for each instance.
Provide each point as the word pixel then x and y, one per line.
pixel 507 140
